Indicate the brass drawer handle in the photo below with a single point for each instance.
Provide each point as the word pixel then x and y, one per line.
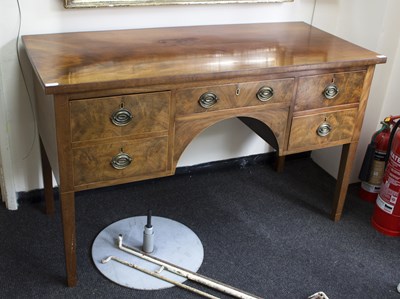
pixel 324 129
pixel 208 99
pixel 265 93
pixel 331 91
pixel 121 161
pixel 121 117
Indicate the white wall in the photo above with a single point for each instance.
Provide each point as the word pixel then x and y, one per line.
pixel 351 19
pixel 372 24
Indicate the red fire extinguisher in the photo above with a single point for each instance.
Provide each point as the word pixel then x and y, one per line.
pixel 386 217
pixel 373 167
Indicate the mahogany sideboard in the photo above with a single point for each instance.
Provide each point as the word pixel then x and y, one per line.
pixel 121 106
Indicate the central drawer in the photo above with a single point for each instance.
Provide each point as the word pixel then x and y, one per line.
pixel 220 97
pixel 125 159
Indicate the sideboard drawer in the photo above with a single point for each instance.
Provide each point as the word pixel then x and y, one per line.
pixel 322 129
pixel 265 92
pixel 219 97
pixel 214 98
pixel 94 163
pixel 119 116
pixel 329 90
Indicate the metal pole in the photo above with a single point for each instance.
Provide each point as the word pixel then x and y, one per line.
pixel 157 275
pixel 188 274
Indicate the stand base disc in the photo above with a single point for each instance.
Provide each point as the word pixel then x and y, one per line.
pixel 173 242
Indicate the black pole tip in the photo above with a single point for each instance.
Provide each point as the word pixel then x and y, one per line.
pixel 148 225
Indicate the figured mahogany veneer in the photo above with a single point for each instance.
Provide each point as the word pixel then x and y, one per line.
pixel 90 118
pixel 309 95
pixel 342 123
pixel 233 96
pixel 121 106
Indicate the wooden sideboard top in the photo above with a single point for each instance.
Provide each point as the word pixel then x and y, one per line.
pixel 74 62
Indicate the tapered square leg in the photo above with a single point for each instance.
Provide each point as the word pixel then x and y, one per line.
pixel 279 163
pixel 47 181
pixel 68 220
pixel 346 163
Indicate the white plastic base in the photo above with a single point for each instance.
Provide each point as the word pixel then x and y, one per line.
pixel 173 242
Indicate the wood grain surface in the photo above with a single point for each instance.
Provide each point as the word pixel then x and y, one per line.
pixel 72 62
pixel 90 119
pixel 311 88
pixel 233 95
pixel 92 164
pixel 303 133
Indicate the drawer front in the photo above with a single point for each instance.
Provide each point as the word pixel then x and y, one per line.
pixel 265 92
pixel 214 98
pixel 119 116
pixel 329 90
pixel 322 129
pixel 94 163
pixel 219 98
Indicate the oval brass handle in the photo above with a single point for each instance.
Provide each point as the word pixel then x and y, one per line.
pixel 324 129
pixel 265 93
pixel 331 91
pixel 121 117
pixel 121 161
pixel 208 99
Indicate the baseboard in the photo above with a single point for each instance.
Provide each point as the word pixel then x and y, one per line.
pixel 237 163
pixel 37 195
pixel 34 196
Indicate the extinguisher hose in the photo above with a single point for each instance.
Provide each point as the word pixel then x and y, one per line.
pixel 390 142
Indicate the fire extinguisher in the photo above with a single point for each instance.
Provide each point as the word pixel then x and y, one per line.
pixel 373 166
pixel 386 216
